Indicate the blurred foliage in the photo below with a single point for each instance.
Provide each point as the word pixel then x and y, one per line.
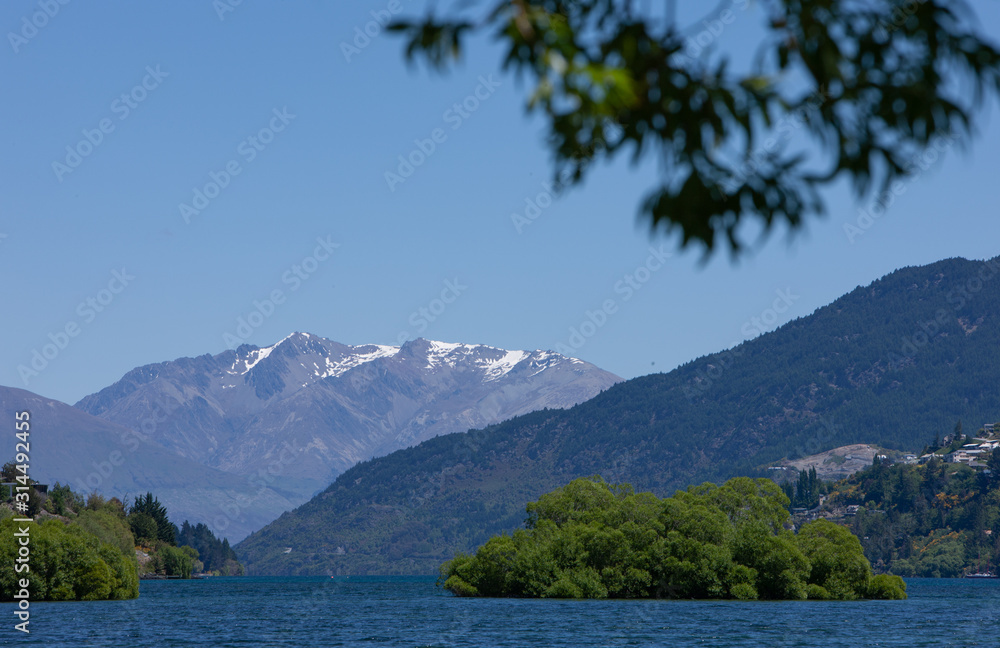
pixel 870 86
pixel 591 540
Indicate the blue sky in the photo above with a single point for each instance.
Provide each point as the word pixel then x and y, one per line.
pixel 95 240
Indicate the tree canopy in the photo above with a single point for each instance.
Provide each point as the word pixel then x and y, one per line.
pixel 68 563
pixel 149 506
pixel 589 539
pixel 873 85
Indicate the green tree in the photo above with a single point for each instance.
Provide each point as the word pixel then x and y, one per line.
pixel 68 563
pixel 165 530
pixel 872 86
pixel 111 529
pixel 177 561
pixel 838 563
pixel 62 500
pixel 143 526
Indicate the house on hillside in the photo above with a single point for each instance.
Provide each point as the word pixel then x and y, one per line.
pixel 962 456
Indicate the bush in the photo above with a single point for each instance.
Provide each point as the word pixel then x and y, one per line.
pixel 109 528
pixel 67 563
pixel 592 540
pixel 885 586
pixel 143 527
pixel 176 561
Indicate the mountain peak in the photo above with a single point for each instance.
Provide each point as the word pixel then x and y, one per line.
pixel 339 404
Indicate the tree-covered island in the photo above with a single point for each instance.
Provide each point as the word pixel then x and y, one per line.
pixel 590 539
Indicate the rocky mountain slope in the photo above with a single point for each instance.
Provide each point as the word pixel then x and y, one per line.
pixel 300 412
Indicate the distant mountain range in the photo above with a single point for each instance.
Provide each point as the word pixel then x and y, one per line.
pixel 890 364
pixel 292 416
pixel 89 453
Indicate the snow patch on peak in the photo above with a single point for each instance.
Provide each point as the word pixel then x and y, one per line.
pixel 496 369
pixel 257 355
pixel 287 337
pixel 446 353
pixel 360 355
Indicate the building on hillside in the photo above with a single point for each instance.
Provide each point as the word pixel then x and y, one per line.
pixel 962 456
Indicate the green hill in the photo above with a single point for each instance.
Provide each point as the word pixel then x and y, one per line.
pixel 890 364
pixel 935 520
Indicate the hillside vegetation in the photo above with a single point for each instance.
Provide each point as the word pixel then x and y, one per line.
pixel 90 549
pixel 85 554
pixel 934 520
pixel 889 364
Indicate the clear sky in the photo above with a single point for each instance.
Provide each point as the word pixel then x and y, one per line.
pixel 116 113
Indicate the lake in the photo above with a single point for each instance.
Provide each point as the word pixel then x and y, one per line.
pixel 385 612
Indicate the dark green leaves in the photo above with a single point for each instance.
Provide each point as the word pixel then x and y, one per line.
pixel 876 86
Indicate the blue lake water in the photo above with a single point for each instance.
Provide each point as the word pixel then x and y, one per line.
pixel 313 612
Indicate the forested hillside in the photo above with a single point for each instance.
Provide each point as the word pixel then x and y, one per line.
pixel 890 364
pixel 935 520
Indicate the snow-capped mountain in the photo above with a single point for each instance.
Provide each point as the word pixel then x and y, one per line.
pixel 298 413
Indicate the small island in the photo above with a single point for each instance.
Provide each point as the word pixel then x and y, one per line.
pixel 590 539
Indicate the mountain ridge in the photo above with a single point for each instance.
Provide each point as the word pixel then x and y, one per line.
pixel 858 370
pixel 317 407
